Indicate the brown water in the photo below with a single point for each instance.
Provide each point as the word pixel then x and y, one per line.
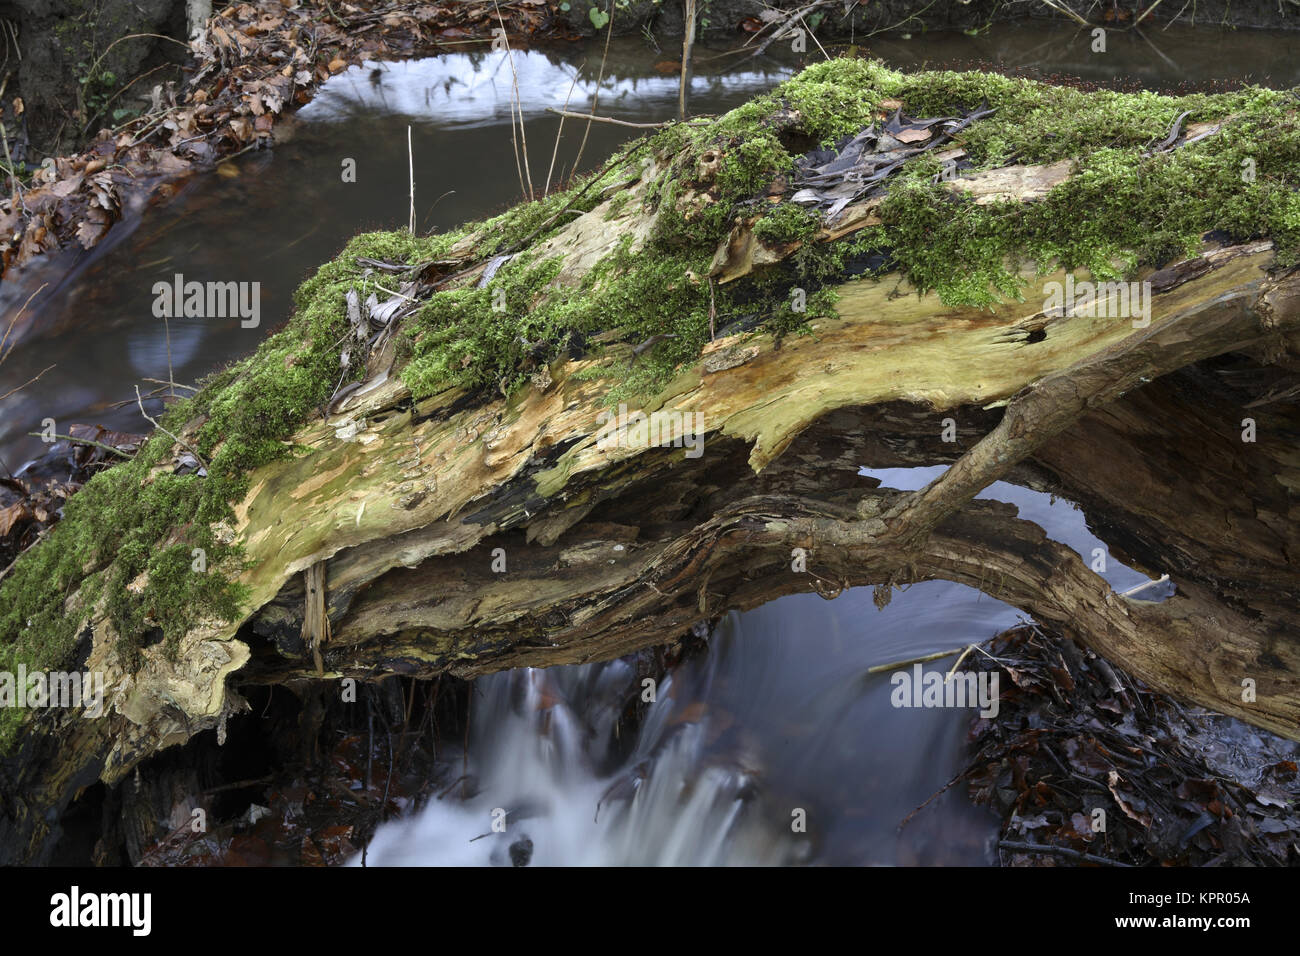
pixel 817 734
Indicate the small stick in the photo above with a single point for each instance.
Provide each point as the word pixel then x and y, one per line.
pixel 595 96
pixel 158 381
pixel 713 310
pixel 410 166
pixel 19 388
pixel 784 25
pixel 688 41
pixel 516 97
pixel 1064 851
pixel 546 187
pixel 14 321
pixel 607 119
pixel 39 538
pixel 171 376
pixel 1137 588
pixel 86 441
pixel 1068 12
pixel 1147 12
pixel 881 668
pixel 186 445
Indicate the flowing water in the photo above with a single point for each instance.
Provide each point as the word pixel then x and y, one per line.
pixel 779 723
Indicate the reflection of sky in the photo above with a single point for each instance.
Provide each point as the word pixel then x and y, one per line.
pixel 149 353
pixel 1061 519
pixel 473 89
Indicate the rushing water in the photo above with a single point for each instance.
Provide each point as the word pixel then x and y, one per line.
pixel 780 717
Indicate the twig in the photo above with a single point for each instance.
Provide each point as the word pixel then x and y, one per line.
pixel 1064 851
pixel 184 444
pixel 881 668
pixel 85 441
pixel 546 186
pixel 14 321
pixel 1067 11
pixel 784 24
pixel 19 388
pixel 241 784
pixel 608 119
pixel 516 98
pixel 171 375
pixel 815 40
pixel 1138 588
pixel 410 167
pixel 595 96
pixel 942 790
pixel 688 41
pixel 713 310
pixel 40 536
pixel 1147 12
pixel 158 381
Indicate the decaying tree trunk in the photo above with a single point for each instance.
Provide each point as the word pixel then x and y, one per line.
pixel 462 534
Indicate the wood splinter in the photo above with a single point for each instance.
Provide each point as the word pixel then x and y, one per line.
pixel 315 621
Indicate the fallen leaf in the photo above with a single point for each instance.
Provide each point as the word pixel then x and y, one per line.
pixel 912 135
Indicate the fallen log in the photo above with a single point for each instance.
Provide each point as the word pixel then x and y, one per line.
pixel 606 418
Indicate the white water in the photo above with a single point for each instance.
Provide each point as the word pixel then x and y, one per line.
pixel 536 756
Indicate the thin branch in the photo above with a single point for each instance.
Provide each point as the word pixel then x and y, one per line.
pixel 546 186
pixel 85 441
pixel 158 381
pixel 19 388
pixel 184 444
pixel 14 321
pixel 595 96
pixel 1064 851
pixel 591 118
pixel 1067 12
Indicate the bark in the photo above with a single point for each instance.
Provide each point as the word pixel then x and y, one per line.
pixel 379 551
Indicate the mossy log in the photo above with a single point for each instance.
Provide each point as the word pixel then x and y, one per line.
pixel 481 523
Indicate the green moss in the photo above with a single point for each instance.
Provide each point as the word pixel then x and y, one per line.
pixel 785 223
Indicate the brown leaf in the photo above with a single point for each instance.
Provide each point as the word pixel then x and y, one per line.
pixel 1112 780
pixel 10 516
pixel 912 135
pixel 90 232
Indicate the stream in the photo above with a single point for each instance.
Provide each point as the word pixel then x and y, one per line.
pixel 779 722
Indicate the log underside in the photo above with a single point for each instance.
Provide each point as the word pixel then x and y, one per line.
pixel 400 506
